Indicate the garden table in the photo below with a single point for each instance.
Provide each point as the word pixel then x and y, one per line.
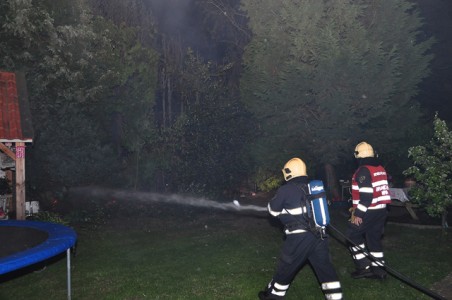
pixel 400 198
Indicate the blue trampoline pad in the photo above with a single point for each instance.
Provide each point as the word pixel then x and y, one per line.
pixel 33 242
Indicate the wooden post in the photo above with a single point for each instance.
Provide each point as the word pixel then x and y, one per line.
pixel 20 181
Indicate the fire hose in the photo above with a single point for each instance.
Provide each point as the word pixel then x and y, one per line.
pixel 390 270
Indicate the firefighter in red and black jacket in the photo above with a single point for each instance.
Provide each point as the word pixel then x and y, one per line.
pixel 301 244
pixel 370 195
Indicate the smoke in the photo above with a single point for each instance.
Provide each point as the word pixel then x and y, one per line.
pixel 189 24
pixel 175 19
pixel 173 15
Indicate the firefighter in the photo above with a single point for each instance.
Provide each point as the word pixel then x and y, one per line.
pixel 302 243
pixel 370 195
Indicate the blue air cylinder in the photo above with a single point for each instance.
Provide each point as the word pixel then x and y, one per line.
pixel 319 204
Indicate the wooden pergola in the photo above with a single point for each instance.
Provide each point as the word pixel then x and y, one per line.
pixel 15 130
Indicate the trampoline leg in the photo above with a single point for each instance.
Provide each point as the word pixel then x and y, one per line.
pixel 68 254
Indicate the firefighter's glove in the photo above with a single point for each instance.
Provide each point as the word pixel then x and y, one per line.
pixel 352 212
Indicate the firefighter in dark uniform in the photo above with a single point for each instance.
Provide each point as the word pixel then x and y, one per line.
pixel 370 195
pixel 302 243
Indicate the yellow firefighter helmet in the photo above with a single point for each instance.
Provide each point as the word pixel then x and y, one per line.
pixel 294 168
pixel 363 150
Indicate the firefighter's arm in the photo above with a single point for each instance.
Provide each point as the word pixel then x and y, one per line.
pixel 366 191
pixel 275 206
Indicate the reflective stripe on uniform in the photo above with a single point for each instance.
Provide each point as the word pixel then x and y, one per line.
pixel 287 211
pixel 378 264
pixel 334 296
pixel 281 286
pixel 295 211
pixel 332 290
pixel 379 206
pixel 294 231
pixel 278 293
pixel 361 208
pixel 379 256
pixel 357 252
pixel 380 182
pixel 358 248
pixel 331 285
pixel 359 256
pixel 272 212
pixel 368 190
pixel 279 289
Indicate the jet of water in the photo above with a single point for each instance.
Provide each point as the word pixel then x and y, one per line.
pixel 165 198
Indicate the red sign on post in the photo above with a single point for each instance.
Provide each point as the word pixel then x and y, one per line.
pixel 20 151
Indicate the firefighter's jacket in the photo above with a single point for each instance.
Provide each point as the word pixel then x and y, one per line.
pixel 370 189
pixel 289 205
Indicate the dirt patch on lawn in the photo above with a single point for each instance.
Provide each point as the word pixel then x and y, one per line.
pixel 444 287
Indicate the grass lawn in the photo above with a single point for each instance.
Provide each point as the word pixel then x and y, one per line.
pixel 178 252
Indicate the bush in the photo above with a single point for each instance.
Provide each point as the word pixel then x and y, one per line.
pixel 432 171
pixel 267 181
pixel 47 216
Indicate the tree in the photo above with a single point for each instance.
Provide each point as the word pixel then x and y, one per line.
pixel 227 33
pixel 321 76
pixel 81 71
pixel 55 60
pixel 432 170
pixel 197 86
pixel 204 149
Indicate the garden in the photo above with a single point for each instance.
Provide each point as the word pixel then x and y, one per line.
pixel 164 251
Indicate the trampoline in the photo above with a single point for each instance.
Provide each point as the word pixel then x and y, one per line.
pixel 24 243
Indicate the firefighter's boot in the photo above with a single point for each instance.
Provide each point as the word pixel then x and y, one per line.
pixel 379 273
pixel 362 273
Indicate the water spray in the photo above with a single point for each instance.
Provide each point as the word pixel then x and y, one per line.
pixel 164 198
pixel 249 207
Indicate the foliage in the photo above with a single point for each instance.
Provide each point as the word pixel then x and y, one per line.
pixel 322 75
pixel 81 71
pixel 432 171
pixel 348 68
pixel 208 140
pixel 52 217
pixel 226 31
pixel 267 181
pixel 126 109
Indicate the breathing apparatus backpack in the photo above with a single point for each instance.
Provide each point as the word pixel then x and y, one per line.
pixel 317 207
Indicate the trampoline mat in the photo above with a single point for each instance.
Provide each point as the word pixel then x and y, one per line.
pixel 17 239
